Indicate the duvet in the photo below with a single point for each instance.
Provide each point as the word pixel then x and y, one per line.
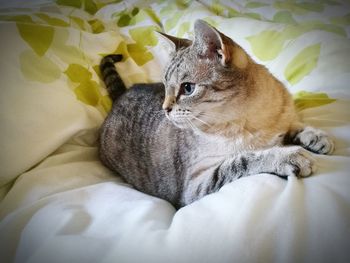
pixel 58 203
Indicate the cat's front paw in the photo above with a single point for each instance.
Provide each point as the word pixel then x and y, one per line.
pixel 314 140
pixel 294 161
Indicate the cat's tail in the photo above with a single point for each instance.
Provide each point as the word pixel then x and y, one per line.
pixel 113 82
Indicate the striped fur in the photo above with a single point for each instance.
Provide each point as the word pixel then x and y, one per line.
pixel 111 78
pixel 234 123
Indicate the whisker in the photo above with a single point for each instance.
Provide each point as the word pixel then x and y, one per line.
pixel 201 120
pixel 190 124
pixel 236 122
pixel 208 114
pixel 195 128
pixel 215 115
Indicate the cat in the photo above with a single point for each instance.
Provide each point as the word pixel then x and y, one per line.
pixel 218 116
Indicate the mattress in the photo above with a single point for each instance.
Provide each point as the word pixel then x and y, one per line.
pixel 60 204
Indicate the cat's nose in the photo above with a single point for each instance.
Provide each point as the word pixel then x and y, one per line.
pixel 167 109
pixel 168 103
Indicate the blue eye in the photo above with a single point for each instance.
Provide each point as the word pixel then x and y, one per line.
pixel 187 88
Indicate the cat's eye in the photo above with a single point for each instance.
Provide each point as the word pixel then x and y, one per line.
pixel 187 88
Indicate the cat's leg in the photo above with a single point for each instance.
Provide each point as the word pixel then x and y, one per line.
pixel 312 139
pixel 280 161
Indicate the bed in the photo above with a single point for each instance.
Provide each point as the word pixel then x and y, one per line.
pixel 60 204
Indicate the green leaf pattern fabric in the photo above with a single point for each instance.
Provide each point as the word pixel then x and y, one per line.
pixel 65 40
pixel 305 99
pixel 303 63
pixel 53 100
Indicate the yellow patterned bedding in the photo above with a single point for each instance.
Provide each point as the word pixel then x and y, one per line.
pixel 59 204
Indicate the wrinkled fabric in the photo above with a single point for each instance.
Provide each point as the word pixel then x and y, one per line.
pixel 60 204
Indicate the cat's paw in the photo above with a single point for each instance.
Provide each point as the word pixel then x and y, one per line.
pixel 294 161
pixel 314 140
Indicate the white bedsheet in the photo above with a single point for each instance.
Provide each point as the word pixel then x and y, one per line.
pixel 60 204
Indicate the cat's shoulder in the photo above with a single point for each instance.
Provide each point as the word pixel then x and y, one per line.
pixel 147 88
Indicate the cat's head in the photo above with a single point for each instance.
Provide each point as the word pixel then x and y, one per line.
pixel 206 79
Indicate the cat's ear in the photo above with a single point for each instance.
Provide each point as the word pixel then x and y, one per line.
pixel 175 42
pixel 213 44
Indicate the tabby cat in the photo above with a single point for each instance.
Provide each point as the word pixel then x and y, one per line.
pixel 219 116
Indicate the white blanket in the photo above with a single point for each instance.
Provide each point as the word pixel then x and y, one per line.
pixel 60 204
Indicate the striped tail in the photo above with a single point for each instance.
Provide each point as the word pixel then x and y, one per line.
pixel 113 82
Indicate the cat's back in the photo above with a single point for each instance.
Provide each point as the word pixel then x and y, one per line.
pixel 138 97
pixel 130 124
